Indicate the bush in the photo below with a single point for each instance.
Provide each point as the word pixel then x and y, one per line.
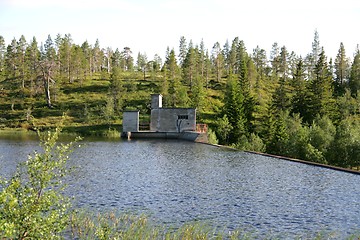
pixel 212 139
pixel 253 143
pixel 345 149
pixel 32 205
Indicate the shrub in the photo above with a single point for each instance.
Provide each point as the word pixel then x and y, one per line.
pixel 32 204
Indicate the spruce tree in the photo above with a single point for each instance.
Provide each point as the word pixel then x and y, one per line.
pixel 242 62
pixel 233 56
pixel 183 50
pixel 234 109
pixel 117 89
pixel 300 96
pixel 321 99
pixel 281 96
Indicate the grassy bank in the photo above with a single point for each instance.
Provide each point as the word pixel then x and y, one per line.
pixel 84 225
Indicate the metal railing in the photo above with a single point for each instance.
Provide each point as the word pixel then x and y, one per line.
pixel 201 128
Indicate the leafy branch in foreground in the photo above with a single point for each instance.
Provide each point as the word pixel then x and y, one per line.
pixel 32 204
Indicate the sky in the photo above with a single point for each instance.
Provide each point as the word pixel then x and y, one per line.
pixel 153 25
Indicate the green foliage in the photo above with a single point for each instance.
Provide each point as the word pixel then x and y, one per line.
pixel 253 143
pixel 354 81
pixel 111 225
pixel 347 105
pixel 321 99
pixel 234 109
pixel 32 205
pixel 299 142
pixel 345 149
pixel 223 129
pixel 322 133
pixel 212 139
pixel 85 225
pixel 93 84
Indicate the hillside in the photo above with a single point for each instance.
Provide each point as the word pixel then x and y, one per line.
pixel 300 107
pixel 85 104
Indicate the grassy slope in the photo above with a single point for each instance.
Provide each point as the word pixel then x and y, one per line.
pixel 84 104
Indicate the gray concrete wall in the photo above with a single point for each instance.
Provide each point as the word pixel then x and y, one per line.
pixel 168 120
pixel 131 121
pixel 156 101
pixel 189 136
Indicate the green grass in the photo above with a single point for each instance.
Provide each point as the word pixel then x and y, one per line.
pixel 86 225
pixel 84 103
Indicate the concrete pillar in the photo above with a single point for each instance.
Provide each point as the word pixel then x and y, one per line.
pixel 131 121
pixel 156 101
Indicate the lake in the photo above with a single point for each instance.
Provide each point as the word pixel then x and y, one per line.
pixel 174 182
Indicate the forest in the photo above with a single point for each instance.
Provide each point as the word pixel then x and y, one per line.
pixel 278 102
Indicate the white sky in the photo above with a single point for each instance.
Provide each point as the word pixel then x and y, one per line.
pixel 150 26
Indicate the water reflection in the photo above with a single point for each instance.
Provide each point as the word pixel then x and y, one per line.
pixel 176 182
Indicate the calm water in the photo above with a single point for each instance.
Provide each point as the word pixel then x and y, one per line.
pixel 176 182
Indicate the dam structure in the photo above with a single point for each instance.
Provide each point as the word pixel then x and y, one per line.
pixel 165 123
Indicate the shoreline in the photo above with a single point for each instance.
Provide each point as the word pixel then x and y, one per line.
pixel 289 159
pixel 102 133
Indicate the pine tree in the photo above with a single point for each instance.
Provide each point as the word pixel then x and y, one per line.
pixel 202 59
pixel 11 60
pixel 96 57
pixel 156 63
pixel 48 68
pixel 20 56
pixel 284 65
pixel 341 70
pixel 77 59
pixel 260 61
pixel 189 66
pixel 128 61
pixel 354 81
pixel 183 50
pixel 108 52
pixel 116 59
pixel 32 64
pixel 142 63
pixel 226 53
pixel 64 53
pixel 312 58
pixel 275 61
pixel 2 57
pixel 87 61
pixel 218 61
pixel 207 69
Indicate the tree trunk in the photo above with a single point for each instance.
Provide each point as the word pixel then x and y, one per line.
pixel 47 90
